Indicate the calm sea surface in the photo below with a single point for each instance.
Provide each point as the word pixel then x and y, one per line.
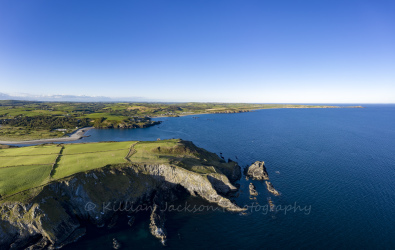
pixel 336 166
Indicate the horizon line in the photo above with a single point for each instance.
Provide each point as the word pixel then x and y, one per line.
pixel 119 101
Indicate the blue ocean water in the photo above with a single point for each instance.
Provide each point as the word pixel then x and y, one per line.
pixel 336 164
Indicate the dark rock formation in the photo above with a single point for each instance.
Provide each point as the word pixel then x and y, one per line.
pixel 41 244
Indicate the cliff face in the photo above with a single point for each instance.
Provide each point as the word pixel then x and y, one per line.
pixel 55 214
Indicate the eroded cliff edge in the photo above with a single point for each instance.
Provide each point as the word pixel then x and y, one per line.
pixel 53 215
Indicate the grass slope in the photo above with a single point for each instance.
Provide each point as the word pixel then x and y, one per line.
pixel 13 180
pixel 181 153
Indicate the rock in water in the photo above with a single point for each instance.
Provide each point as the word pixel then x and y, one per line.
pixel 271 205
pixel 271 189
pixel 157 224
pixel 113 221
pixel 257 171
pixel 116 244
pixel 131 221
pixel 253 190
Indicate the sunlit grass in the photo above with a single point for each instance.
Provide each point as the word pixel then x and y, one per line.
pixel 33 150
pixel 27 160
pixel 71 164
pixel 15 179
pixel 95 147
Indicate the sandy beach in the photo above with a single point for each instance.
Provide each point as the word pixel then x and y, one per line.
pixel 73 137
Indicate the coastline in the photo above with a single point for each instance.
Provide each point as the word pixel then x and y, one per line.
pixel 78 134
pixel 252 110
pixel 182 115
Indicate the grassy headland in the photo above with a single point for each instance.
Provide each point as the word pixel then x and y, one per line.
pixel 26 168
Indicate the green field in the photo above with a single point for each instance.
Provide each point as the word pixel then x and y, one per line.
pixel 9 161
pixel 95 147
pixel 27 167
pixel 71 164
pixel 34 150
pixel 16 179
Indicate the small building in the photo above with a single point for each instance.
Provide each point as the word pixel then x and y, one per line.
pixel 61 129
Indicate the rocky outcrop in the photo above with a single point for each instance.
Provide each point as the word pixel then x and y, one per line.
pixel 252 189
pixel 56 213
pixel 257 171
pixel 271 189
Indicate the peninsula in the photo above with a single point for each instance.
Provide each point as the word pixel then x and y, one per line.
pixel 49 192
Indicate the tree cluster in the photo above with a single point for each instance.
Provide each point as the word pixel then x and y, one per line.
pixel 46 122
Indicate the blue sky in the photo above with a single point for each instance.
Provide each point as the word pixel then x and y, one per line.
pixel 327 51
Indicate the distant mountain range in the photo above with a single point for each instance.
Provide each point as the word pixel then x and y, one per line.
pixel 70 98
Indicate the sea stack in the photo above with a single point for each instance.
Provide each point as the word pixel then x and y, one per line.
pixel 257 171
